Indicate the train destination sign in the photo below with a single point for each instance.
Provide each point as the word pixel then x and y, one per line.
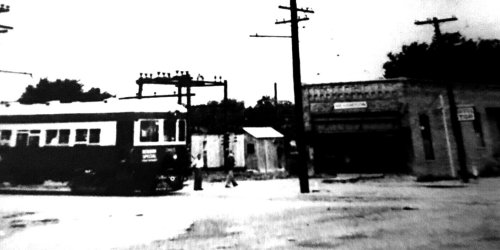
pixel 350 105
pixel 149 155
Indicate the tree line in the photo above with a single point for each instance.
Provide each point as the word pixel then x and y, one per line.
pixel 451 57
pixel 208 118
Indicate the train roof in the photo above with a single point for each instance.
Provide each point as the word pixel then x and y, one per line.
pixel 108 106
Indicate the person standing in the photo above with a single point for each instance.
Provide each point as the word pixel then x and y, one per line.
pixel 229 168
pixel 198 175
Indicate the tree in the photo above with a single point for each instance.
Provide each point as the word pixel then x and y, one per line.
pixel 209 118
pixel 61 90
pixel 266 113
pixel 452 57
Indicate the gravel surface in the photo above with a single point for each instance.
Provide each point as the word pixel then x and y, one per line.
pixel 389 213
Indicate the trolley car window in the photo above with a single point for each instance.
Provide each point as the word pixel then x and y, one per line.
pixel 22 138
pixel 169 129
pixel 5 137
pixel 81 135
pixel 51 137
pixel 149 131
pixel 63 136
pixel 95 136
pixel 182 130
pixel 34 138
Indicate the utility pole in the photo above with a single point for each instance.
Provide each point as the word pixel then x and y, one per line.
pixel 455 123
pixel 276 95
pixel 297 86
pixel 3 28
pixel 185 80
pixel 436 22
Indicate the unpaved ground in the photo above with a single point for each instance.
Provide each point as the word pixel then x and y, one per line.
pixel 379 214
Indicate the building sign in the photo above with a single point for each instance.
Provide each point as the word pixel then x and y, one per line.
pixel 465 113
pixel 149 155
pixel 350 105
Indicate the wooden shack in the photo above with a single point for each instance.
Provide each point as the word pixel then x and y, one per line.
pixel 264 149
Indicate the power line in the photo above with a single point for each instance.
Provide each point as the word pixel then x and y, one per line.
pixel 16 72
pixel 269 36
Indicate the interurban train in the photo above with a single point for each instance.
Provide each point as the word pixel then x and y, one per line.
pixel 111 146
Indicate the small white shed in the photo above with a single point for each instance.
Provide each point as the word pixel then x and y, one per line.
pixel 264 149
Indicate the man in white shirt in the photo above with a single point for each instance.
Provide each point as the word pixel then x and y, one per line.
pixel 198 175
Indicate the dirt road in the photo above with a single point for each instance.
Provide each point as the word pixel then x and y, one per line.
pixel 390 213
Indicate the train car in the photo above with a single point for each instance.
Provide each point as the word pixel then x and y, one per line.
pixel 113 146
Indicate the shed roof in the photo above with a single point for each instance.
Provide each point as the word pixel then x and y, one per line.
pixel 263 132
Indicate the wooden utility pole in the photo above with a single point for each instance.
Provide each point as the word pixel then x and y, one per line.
pixel 455 123
pixel 297 86
pixel 436 22
pixel 276 95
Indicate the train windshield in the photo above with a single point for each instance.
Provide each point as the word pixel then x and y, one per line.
pixel 162 131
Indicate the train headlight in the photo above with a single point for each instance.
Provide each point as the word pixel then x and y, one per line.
pixel 175 156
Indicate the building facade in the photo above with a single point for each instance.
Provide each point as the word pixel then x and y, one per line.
pixel 400 126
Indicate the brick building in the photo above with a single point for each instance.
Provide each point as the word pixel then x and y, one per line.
pixel 399 126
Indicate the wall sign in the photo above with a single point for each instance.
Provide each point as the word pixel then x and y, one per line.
pixel 350 105
pixel 465 113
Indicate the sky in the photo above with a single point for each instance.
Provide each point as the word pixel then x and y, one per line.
pixel 106 44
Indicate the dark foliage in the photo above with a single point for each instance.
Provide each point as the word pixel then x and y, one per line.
pixel 209 118
pixel 60 90
pixel 267 114
pixel 451 57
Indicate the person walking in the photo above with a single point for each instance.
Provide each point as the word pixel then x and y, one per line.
pixel 229 168
pixel 198 175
